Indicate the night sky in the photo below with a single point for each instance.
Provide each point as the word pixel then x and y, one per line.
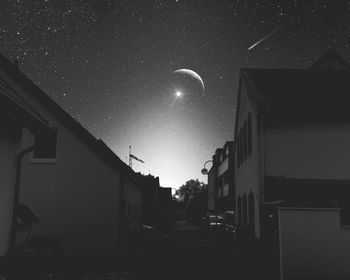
pixel 109 64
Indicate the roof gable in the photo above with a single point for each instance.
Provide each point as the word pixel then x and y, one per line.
pixel 331 60
pixel 97 146
pixel 302 96
pixel 13 102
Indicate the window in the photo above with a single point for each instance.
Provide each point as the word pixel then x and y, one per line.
pixel 220 181
pixel 239 210
pixel 225 178
pixel 241 147
pixel 129 209
pixel 45 145
pixel 251 207
pixel 245 141
pixel 219 192
pixel 138 210
pixel 134 209
pixel 225 190
pixel 124 207
pixel 237 150
pixel 249 134
pixel 245 209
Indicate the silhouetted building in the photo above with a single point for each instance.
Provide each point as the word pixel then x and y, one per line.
pixel 84 196
pixel 156 199
pixel 16 113
pixel 292 157
pixel 221 190
pixel 164 197
pixel 150 186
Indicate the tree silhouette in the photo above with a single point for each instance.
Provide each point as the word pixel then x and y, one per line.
pixel 187 192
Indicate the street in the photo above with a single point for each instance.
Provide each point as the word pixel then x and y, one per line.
pixel 185 251
pixel 188 252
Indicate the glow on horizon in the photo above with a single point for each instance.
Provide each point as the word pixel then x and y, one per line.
pixel 170 146
pixel 173 161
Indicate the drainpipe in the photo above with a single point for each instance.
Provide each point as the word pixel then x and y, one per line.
pixel 19 159
pixel 122 207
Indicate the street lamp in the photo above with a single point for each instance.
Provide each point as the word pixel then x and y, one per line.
pixel 204 170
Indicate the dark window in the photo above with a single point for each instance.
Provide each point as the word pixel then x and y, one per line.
pixel 241 146
pixel 249 134
pixel 245 141
pixel 232 163
pixel 237 151
pixel 124 208
pixel 220 181
pixel 225 178
pixel 219 192
pixel 244 208
pixel 251 208
pixel 45 145
pixel 239 210
pixel 129 210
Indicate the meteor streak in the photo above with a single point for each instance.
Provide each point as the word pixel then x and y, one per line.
pixel 267 36
pixel 22 42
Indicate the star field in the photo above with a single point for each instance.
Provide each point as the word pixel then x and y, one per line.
pixel 109 64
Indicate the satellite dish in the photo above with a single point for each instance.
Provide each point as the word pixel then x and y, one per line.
pixel 204 171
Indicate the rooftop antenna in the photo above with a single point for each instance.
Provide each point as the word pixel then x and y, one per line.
pixel 131 156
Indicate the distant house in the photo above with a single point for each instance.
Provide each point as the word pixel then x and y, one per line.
pixel 84 196
pixel 150 187
pixel 292 155
pixel 221 190
pixel 15 114
pixel 156 200
pixel 164 197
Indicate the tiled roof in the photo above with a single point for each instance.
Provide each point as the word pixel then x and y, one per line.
pixel 97 146
pixel 302 96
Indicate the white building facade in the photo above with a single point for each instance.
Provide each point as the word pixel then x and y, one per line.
pixel 292 130
pixel 74 183
pixel 15 114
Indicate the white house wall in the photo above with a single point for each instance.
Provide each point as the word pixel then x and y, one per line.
pixel 313 245
pixel 247 175
pixel 132 196
pixel 315 152
pixel 76 198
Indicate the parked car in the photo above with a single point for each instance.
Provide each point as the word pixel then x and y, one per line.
pixel 222 222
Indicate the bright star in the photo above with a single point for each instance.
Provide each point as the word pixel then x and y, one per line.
pixel 178 93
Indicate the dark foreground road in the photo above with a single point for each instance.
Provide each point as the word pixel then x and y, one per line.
pixel 184 252
pixel 189 253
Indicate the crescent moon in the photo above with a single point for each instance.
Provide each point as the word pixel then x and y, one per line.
pixel 190 73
